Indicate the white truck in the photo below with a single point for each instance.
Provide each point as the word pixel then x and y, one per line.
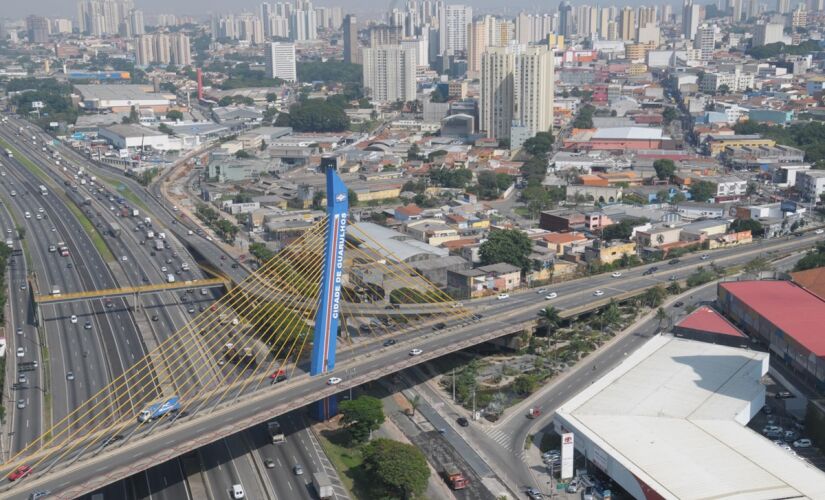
pixel 170 278
pixel 135 212
pixel 275 432
pixel 150 235
pixel 147 221
pixel 323 486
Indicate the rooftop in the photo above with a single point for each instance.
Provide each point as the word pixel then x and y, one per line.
pixel 812 280
pixel 705 319
pixel 627 133
pixel 792 309
pixel 393 245
pixel 126 131
pixel 118 92
pixel 674 413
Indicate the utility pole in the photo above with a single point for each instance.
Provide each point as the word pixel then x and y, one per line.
pixel 474 403
pixel 453 384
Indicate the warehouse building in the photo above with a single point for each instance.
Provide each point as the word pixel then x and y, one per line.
pixel 785 317
pixel 670 422
pixel 122 98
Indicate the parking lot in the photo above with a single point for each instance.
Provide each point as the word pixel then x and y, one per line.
pixel 777 412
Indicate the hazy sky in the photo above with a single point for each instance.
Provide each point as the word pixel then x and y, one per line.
pixel 66 8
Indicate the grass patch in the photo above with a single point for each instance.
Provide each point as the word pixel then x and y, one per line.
pixel 347 461
pixel 47 395
pixel 523 212
pixel 96 238
pixel 125 191
pixel 90 229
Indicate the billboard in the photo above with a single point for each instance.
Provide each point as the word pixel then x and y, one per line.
pixel 567 455
pixel 326 322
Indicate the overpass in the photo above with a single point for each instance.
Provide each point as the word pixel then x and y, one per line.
pixel 129 291
pixel 77 457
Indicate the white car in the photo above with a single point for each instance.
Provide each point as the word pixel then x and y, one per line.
pixel 598 293
pixel 705 257
pixel 333 381
pixel 20 352
pixel 819 231
pixel 73 319
pixel 802 443
pixel 28 215
pixel 124 258
pixel 503 296
pixel 551 296
pixel 416 352
pixel 163 269
pixel 617 274
pixel 237 491
pixel 40 210
pixel 541 291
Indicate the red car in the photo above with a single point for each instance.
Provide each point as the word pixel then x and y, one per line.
pixel 20 472
pixel 278 376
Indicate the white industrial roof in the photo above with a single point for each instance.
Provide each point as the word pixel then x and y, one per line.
pixel 673 415
pixel 643 133
pixel 392 244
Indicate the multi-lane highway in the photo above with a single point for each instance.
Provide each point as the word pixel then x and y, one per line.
pixel 370 361
pixel 135 261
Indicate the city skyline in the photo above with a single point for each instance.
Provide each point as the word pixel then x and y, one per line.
pixel 61 8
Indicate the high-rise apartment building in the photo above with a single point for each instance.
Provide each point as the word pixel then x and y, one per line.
pixel 389 73
pixel 565 19
pixel 280 61
pixel 136 22
pixel 604 21
pixel 705 41
pixel 386 35
pixel 144 50
pixel 691 16
pixel 102 17
pixel 452 28
pixel 303 23
pixel 181 50
pixel 352 49
pixel 516 92
pixel 266 14
pixel 37 28
pixel 647 15
pixel 163 48
pixel 477 42
pixel 764 34
pixel 627 24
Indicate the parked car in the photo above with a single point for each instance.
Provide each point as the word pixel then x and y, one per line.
pixel 783 395
pixel 802 443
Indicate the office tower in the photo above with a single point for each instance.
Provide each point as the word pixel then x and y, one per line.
pixel 565 19
pixel 163 48
pixel 280 61
pixel 144 50
pixel 452 28
pixel 516 92
pixel 181 50
pixel 266 14
pixel 604 21
pixel 705 41
pixel 627 24
pixel 389 73
pixel 37 28
pixel 352 49
pixel 136 23
pixel 691 14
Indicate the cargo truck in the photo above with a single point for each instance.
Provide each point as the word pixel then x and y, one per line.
pixel 159 410
pixel 114 229
pixel 159 245
pixel 275 432
pixel 323 486
pixel 454 477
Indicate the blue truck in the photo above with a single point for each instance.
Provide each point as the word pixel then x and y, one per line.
pixel 159 409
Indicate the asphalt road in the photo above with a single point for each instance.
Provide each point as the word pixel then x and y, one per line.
pixel 367 362
pixel 164 315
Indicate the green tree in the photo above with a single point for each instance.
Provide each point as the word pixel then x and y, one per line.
pixel 524 384
pixel 703 190
pixel 757 265
pixel 174 115
pixel 723 89
pixel 399 469
pixel 414 153
pixel 352 198
pixel 261 252
pixel 584 119
pixel 21 232
pixel 622 230
pixel 661 317
pixel 813 259
pixel 664 168
pixel 507 245
pixel 317 115
pixel 654 296
pixel 165 129
pixel 754 226
pixel 361 416
pixel 242 154
pixel 550 318
pixel 669 114
pixel 271 97
pixel 539 145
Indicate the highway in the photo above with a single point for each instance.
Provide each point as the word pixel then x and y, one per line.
pixel 369 361
pixel 160 316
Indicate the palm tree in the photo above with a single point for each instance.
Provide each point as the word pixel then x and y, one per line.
pixel 661 317
pixel 551 318
pixel 415 402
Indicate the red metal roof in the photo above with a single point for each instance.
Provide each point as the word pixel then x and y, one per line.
pixel 705 319
pixel 797 312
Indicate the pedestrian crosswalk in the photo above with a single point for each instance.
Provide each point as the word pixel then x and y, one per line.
pixel 502 439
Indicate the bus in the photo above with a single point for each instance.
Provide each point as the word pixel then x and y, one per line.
pixel 43 190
